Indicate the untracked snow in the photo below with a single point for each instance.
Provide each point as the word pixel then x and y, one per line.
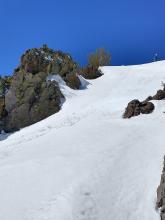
pixel 86 162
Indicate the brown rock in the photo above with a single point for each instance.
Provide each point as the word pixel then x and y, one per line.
pixel 159 95
pixel 146 107
pixel 135 107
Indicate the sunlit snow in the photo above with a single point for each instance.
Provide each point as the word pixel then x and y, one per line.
pixel 86 162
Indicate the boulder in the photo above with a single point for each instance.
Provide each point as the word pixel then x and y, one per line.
pixel 146 107
pixel 135 108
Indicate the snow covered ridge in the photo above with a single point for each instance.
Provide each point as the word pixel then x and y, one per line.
pixel 86 162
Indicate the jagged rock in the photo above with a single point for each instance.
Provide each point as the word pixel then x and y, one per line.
pixel 4 86
pixel 159 95
pixel 160 204
pixel 30 99
pixel 51 62
pixel 72 81
pixel 5 83
pixel 30 96
pixel 135 108
pixel 2 107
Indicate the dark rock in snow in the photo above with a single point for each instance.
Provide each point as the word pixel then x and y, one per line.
pixel 135 108
pixel 159 95
pixel 146 107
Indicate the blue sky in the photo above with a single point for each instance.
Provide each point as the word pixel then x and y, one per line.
pixel 132 30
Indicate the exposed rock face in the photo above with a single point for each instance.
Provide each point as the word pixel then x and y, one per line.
pixel 159 95
pixel 135 107
pixel 2 107
pixel 4 86
pixel 161 194
pixel 31 97
pixel 50 62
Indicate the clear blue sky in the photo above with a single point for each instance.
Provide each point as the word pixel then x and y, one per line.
pixel 132 30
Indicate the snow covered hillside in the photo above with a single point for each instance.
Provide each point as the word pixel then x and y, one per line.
pixel 86 162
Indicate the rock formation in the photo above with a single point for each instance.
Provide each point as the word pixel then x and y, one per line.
pixel 135 107
pixel 31 97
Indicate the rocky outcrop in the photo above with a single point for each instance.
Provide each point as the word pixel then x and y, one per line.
pixel 30 96
pixel 90 72
pixel 135 108
pixel 5 83
pixel 161 194
pixel 30 99
pixel 2 107
pixel 49 61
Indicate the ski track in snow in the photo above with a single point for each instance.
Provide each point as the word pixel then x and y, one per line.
pixel 86 162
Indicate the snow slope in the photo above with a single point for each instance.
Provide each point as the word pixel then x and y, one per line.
pixel 86 162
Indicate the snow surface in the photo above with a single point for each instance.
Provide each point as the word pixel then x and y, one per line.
pixel 86 162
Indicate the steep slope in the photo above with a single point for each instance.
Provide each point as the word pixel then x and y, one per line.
pixel 86 162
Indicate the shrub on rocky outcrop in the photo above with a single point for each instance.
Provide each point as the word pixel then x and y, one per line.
pixel 90 72
pixel 99 58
